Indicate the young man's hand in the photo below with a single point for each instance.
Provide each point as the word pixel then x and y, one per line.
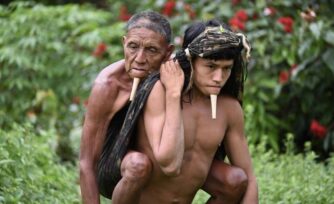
pixel 172 77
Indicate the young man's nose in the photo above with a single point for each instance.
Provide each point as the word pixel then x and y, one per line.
pixel 218 75
pixel 140 56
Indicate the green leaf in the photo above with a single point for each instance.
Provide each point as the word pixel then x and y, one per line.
pixel 328 59
pixel 329 37
pixel 316 29
pixel 304 46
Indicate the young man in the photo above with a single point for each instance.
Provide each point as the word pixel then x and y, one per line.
pixel 182 149
pixel 146 46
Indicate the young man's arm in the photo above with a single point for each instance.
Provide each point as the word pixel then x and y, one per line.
pixel 237 149
pixel 163 119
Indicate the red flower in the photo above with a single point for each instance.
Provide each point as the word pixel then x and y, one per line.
pixel 318 130
pixel 255 16
pixel 287 23
pixel 241 15
pixel 76 100
pixel 236 24
pixel 190 11
pixel 100 50
pixel 124 14
pixel 283 77
pixel 169 8
pixel 235 2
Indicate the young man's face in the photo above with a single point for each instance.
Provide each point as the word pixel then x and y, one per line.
pixel 144 51
pixel 211 75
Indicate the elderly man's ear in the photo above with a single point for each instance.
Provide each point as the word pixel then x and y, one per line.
pixel 170 51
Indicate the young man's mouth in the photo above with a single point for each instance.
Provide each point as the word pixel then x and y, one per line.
pixel 215 88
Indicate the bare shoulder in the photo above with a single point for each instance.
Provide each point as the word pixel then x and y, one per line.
pixel 106 88
pixel 232 108
pixel 107 80
pixel 112 71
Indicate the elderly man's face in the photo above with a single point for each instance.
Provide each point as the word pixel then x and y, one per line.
pixel 144 51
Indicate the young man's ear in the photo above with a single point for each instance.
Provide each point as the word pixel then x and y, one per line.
pixel 170 50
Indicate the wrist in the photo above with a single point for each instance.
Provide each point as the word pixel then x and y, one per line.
pixel 173 93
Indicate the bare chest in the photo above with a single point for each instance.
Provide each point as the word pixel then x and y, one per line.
pixel 201 131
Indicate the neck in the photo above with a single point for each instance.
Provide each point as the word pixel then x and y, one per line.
pixel 196 94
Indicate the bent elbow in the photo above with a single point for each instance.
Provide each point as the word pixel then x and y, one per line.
pixel 170 165
pixel 171 171
pixel 170 168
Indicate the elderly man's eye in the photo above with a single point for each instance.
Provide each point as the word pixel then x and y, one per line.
pixel 132 46
pixel 153 49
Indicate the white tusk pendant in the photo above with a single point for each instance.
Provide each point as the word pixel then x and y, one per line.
pixel 213 99
pixel 134 88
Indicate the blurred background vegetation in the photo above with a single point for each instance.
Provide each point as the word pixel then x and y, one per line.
pixel 51 50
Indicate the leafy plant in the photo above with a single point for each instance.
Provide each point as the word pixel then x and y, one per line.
pixel 31 172
pixel 292 178
pixel 49 57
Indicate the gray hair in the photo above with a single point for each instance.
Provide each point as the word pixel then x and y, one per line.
pixel 153 21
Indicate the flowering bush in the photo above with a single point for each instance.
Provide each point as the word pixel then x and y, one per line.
pixel 289 81
pixel 48 58
pixel 290 75
pixel 46 73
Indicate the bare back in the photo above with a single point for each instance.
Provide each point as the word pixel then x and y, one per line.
pixel 202 138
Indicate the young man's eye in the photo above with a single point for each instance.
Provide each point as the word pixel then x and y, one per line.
pixel 211 66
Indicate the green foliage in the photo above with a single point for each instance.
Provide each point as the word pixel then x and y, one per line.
pixel 290 77
pixel 300 48
pixel 49 56
pixel 30 171
pixel 291 178
pixel 48 61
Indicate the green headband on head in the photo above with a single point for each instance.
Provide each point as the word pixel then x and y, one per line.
pixel 216 39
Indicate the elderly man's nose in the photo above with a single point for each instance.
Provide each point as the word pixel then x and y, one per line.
pixel 140 56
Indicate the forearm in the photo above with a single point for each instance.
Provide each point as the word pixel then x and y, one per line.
pixel 251 195
pixel 88 186
pixel 172 141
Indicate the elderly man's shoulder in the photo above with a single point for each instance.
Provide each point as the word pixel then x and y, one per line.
pixel 112 72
